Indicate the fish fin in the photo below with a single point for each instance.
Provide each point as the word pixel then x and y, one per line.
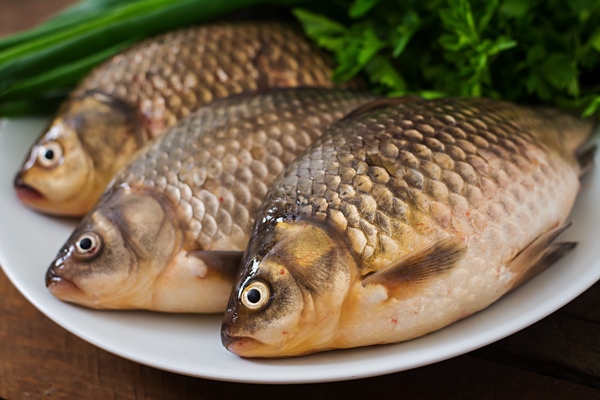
pixel 539 255
pixel 226 263
pixel 585 158
pixel 380 103
pixel 420 266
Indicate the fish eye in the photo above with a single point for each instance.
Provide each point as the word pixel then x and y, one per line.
pixel 256 295
pixel 49 154
pixel 88 244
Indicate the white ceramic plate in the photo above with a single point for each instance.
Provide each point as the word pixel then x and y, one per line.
pixel 190 344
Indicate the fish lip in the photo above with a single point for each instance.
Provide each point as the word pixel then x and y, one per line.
pixel 59 286
pixel 242 345
pixel 25 192
pixel 37 201
pixel 52 277
pixel 239 345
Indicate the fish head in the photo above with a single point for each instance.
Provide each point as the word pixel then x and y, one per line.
pixel 113 258
pixel 69 166
pixel 288 302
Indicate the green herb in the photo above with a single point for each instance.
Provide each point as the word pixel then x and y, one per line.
pixel 60 79
pixel 75 15
pixel 520 50
pixel 58 53
pixel 532 51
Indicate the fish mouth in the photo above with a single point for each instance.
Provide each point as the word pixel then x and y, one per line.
pixel 61 287
pixel 240 345
pixel 36 200
pixel 243 346
pixel 26 193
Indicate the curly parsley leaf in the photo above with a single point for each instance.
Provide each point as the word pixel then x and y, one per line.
pixel 530 51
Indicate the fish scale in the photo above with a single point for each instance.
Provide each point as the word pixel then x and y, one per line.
pixel 173 74
pixel 182 210
pixel 435 210
pixel 141 92
pixel 407 141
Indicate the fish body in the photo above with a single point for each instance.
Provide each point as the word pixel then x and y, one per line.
pixel 169 232
pixel 402 218
pixel 138 94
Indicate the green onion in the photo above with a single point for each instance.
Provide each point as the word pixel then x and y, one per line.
pixel 28 107
pixel 61 77
pixel 56 55
pixel 74 15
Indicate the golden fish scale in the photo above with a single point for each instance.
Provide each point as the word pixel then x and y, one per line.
pixel 395 179
pixel 169 76
pixel 217 164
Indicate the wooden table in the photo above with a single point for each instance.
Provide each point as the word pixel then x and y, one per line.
pixel 557 358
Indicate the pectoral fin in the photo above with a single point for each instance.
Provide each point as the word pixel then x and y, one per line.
pixel 539 255
pixel 420 266
pixel 225 263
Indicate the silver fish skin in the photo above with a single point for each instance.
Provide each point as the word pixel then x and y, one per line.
pixel 404 217
pixel 169 232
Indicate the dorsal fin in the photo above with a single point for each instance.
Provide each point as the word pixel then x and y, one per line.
pixel 380 103
pixel 420 266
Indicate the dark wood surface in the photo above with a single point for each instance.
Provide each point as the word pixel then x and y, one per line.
pixel 557 358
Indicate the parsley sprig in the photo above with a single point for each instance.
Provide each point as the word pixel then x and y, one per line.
pixel 533 51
